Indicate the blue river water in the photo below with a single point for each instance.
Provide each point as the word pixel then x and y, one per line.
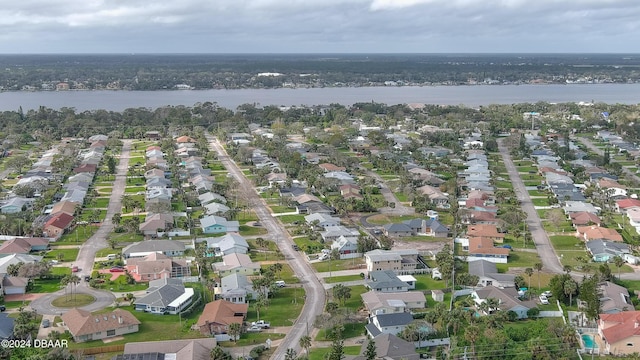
pixel 471 96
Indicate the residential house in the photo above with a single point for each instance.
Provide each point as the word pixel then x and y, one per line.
pixel 386 281
pixel 488 274
pixel 482 248
pixel 225 245
pixel 157 266
pixel 377 302
pixel 437 197
pixel 84 326
pixel 335 232
pixel 612 188
pixel 236 263
pixel 584 218
pixel 218 315
pixel 327 167
pixel 85 168
pixel 428 227
pixel 507 297
pixel 620 332
pixel 189 349
pixel 165 296
pixel 614 298
pixel 347 247
pixel 8 260
pixel 16 204
pixel 57 225
pixel 237 288
pixel 350 191
pixel 475 217
pixel 579 206
pixel 154 223
pixel 66 207
pixel 589 233
pixel 486 231
pixel 6 326
pixel 213 224
pixel 323 220
pixel 390 347
pixel 397 230
pixel 625 204
pixel 209 197
pixel 392 323
pixel 341 176
pixel 13 285
pixel 634 218
pixel 605 251
pixel 276 179
pixel 23 245
pixel 400 261
pixel 185 140
pixel 169 248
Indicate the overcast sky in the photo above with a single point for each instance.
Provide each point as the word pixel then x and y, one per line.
pixel 318 26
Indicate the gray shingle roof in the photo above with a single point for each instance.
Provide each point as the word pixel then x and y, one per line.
pixel 396 319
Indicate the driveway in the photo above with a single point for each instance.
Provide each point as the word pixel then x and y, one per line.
pixel 547 254
pixel 315 295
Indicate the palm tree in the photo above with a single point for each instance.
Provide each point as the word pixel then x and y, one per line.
pixel 472 334
pixel 493 304
pixel 305 342
pixel 618 261
pixel 538 267
pixel 75 280
pixel 235 329
pixel 65 282
pixel 570 287
pixel 290 354
pixel 529 272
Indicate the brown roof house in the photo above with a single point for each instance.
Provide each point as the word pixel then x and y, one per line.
pixel 67 207
pixel 482 248
pixel 485 230
pixel 218 315
pixel 157 266
pixel 189 349
pixel 328 167
pixel 584 218
pixel 57 225
pixel 24 245
pixel 593 232
pixel 620 332
pixel 84 326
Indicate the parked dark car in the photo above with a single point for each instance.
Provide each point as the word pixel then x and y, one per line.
pixel 116 269
pixel 3 308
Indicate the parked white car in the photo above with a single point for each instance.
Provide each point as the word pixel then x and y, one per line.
pixel 544 300
pixel 547 294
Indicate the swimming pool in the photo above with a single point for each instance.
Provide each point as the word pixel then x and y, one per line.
pixel 587 339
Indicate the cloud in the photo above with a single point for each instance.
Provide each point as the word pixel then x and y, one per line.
pixel 319 25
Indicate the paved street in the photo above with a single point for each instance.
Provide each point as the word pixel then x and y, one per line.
pixel 628 173
pixel 87 253
pixel 390 197
pixel 547 254
pixel 315 295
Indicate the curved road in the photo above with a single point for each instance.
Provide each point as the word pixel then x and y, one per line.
pixel 547 254
pixel 315 293
pixel 87 253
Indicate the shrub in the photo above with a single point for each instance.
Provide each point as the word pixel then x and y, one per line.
pixel 257 351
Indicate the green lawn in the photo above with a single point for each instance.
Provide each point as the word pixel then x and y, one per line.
pixel 339 279
pixel 246 230
pixel 71 300
pixel 86 215
pixel 537 193
pixel 288 219
pixel 77 236
pixel 519 259
pixel 107 251
pixel 355 301
pixel 402 197
pixel 134 189
pixel 120 284
pixel 566 242
pixel 384 219
pixel 277 209
pixel 283 309
pixel 308 246
pixel 60 270
pixel 45 286
pixel 322 353
pixel 527 169
pixel 351 330
pixel 67 254
pixel 285 274
pixel 248 339
pixel 540 202
pixel 264 255
pixel 503 184
pixel 336 265
pixel 426 282
pixel 101 202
